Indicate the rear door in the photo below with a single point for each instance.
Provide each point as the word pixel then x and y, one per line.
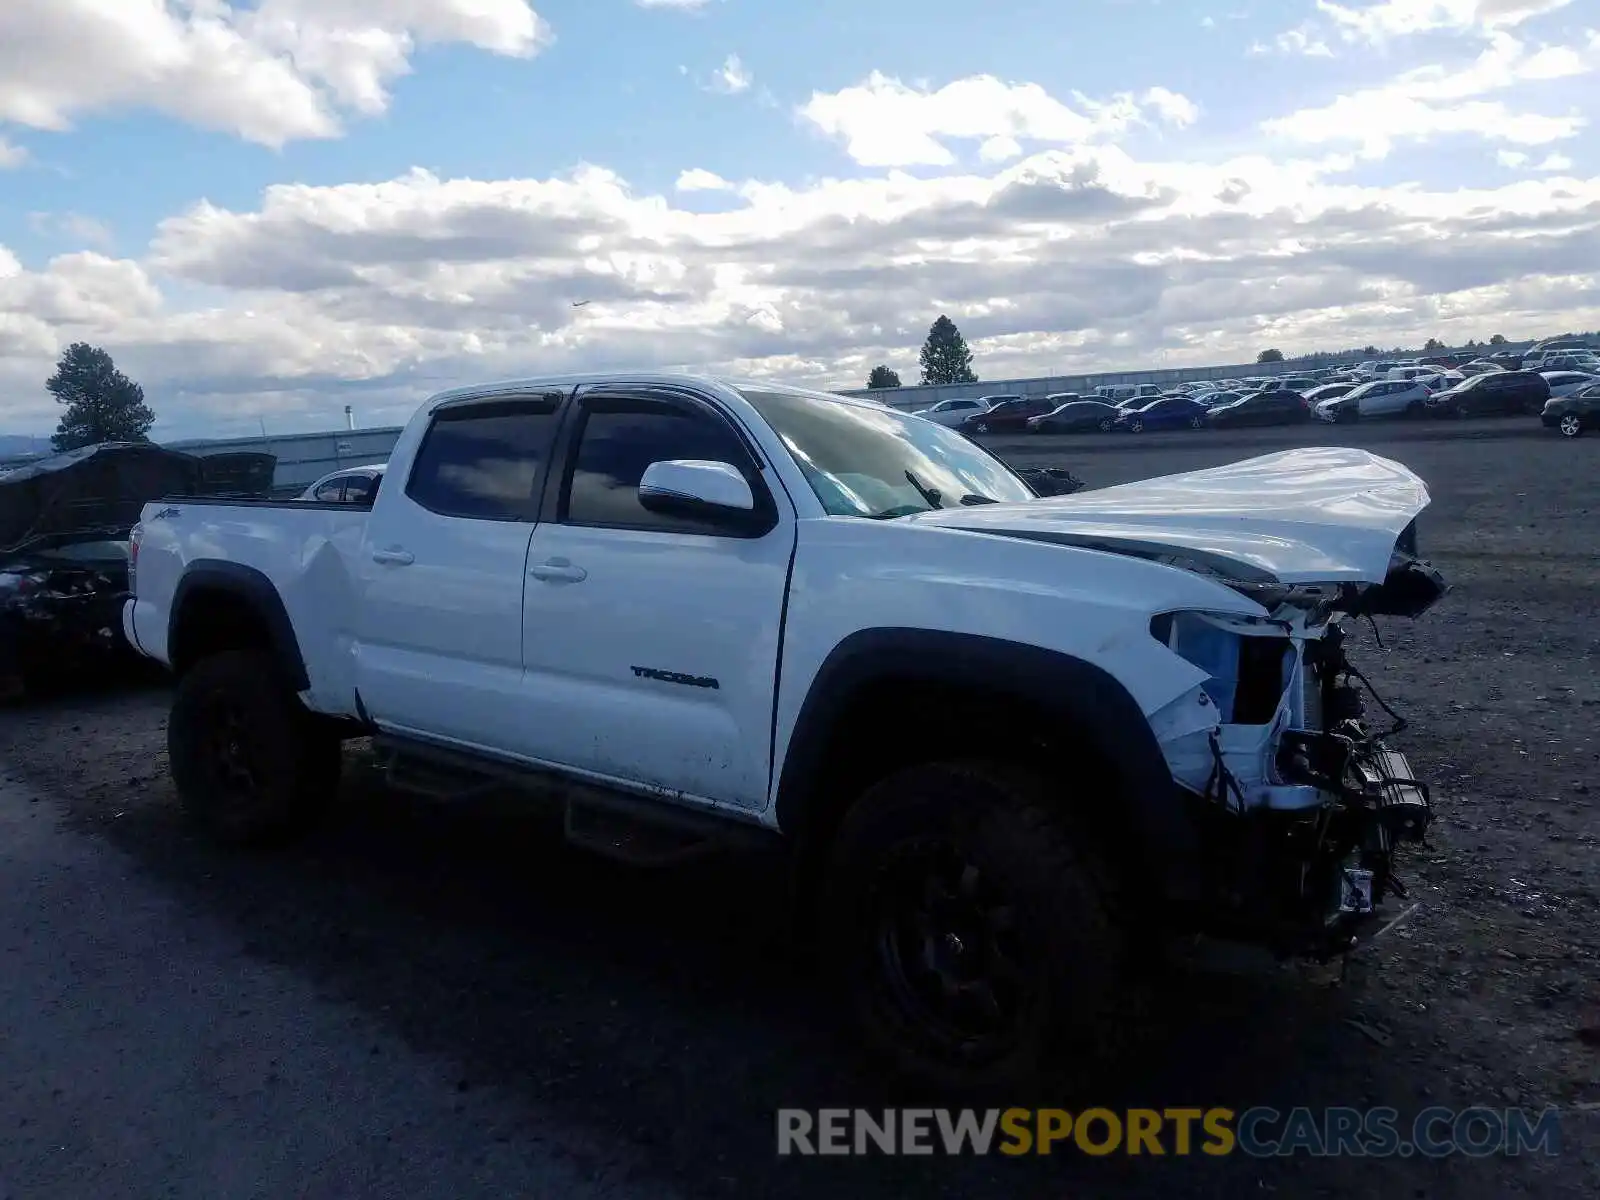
pixel 651 641
pixel 1496 393
pixel 438 637
pixel 1384 398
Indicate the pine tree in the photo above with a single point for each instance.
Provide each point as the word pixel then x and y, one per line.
pixel 945 357
pixel 103 404
pixel 883 377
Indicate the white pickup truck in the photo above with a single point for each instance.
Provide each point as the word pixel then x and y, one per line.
pixel 1006 741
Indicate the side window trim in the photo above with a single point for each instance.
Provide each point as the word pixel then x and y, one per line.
pixel 558 483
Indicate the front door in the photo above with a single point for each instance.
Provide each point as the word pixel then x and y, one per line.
pixel 651 642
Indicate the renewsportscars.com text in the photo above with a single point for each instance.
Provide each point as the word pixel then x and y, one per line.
pixel 1259 1132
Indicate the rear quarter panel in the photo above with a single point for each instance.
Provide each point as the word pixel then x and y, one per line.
pixel 305 552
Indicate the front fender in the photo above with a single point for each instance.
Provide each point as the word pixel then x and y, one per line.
pixel 1076 694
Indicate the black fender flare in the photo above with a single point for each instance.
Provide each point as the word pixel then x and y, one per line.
pixel 1073 691
pixel 255 590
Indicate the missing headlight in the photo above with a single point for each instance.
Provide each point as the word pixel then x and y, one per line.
pixel 1248 661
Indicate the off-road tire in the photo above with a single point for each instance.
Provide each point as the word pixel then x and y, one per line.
pixel 240 697
pixel 1016 838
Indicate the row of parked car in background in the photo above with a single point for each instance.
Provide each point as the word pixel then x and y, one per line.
pixel 1559 382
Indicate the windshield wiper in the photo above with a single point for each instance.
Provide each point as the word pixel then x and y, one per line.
pixel 972 498
pixel 931 495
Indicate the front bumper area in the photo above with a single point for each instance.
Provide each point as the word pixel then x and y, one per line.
pixel 1300 844
pixel 1306 883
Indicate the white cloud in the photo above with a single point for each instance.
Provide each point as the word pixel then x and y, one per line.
pixel 72 226
pixel 1303 40
pixel 1401 18
pixel 1433 100
pixel 272 73
pixel 1100 258
pixel 697 179
pixel 999 149
pixel 1171 107
pixel 1379 24
pixel 731 77
pixel 11 155
pixel 886 123
pixel 1511 159
pixel 1081 256
pixel 678 5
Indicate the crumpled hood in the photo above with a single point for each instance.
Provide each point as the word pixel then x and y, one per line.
pixel 1319 515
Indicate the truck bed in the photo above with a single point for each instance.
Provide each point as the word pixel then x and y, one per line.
pixel 304 550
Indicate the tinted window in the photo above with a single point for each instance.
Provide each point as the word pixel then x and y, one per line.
pixel 621 437
pixel 483 461
pixel 361 489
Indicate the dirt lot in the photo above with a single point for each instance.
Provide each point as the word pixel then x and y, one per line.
pixel 663 1021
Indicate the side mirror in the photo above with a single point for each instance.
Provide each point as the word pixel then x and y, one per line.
pixel 689 487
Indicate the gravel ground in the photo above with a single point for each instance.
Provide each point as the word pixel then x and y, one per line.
pixel 444 1000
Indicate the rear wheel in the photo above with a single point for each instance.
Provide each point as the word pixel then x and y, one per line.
pixel 980 427
pixel 1136 425
pixel 1571 425
pixel 251 765
pixel 1198 421
pixel 1105 425
pixel 969 943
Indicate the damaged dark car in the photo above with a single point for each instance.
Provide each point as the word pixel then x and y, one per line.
pixel 64 552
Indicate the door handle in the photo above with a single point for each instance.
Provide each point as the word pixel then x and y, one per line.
pixel 558 570
pixel 394 557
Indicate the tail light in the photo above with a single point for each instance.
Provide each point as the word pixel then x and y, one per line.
pixel 134 537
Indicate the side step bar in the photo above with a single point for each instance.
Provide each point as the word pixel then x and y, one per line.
pixel 637 830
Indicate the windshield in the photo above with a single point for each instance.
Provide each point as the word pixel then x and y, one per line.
pixel 875 462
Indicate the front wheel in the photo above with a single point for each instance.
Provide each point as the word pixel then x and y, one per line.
pixel 1105 425
pixel 1571 425
pixel 1136 426
pixel 251 765
pixel 968 941
pixel 980 427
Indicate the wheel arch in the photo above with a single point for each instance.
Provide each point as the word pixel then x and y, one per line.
pixel 225 605
pixel 1072 707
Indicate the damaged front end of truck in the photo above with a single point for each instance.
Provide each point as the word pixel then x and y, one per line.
pixel 1283 756
pixel 1279 746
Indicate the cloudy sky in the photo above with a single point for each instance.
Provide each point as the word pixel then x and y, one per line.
pixel 266 210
